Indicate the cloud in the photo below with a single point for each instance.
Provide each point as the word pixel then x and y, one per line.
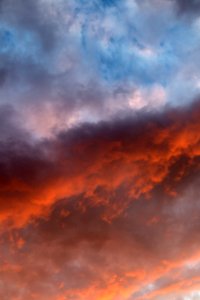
pixel 99 150
pixel 30 15
pixel 61 62
pixel 74 253
pixel 188 7
pixel 110 163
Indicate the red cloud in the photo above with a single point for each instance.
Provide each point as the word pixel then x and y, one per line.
pixel 111 164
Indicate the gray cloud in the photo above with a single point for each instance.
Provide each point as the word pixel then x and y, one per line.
pixel 32 16
pixel 188 6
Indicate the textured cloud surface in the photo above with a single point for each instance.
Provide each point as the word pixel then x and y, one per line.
pixel 99 150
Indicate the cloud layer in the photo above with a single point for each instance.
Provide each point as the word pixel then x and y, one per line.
pixel 132 181
pixel 99 150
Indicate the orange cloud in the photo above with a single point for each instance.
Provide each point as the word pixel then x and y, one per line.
pixel 107 211
pixel 137 155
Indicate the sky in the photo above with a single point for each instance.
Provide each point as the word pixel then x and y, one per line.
pixel 99 149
